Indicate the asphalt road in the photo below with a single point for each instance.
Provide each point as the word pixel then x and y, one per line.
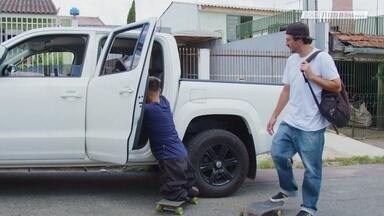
pixel 355 190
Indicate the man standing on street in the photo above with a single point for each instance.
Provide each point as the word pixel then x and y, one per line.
pixel 302 128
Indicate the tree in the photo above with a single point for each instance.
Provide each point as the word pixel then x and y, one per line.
pixel 132 13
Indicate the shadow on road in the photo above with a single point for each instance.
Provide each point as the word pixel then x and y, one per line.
pixel 78 183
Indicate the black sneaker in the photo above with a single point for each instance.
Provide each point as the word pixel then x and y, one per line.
pixel 303 213
pixel 193 192
pixel 280 197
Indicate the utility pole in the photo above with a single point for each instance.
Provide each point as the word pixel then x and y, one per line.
pixel 310 5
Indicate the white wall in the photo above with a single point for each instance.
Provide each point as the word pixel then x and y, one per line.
pixel 217 22
pixel 180 18
pixel 373 7
pixel 183 17
pixel 214 22
pixel 271 42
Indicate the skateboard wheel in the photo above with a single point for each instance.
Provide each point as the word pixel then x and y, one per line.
pixel 279 213
pixel 179 211
pixel 159 208
pixel 195 201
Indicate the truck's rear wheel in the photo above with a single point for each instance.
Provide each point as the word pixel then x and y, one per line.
pixel 220 160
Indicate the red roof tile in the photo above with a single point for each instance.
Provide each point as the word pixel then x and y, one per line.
pixel 28 6
pixel 361 40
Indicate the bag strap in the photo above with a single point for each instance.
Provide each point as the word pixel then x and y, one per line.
pixel 309 59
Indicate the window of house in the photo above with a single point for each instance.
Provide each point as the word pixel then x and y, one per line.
pixel 46 56
pixel 244 19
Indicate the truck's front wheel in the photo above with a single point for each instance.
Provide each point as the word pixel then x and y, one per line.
pixel 220 160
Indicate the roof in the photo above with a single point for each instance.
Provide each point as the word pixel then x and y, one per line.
pixel 86 21
pixel 246 5
pixel 361 40
pixel 28 6
pixel 239 7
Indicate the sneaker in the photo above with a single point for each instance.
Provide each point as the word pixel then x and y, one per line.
pixel 193 192
pixel 280 197
pixel 303 213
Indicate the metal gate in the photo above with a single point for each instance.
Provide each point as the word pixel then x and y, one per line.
pixel 265 67
pixel 189 62
pixel 363 86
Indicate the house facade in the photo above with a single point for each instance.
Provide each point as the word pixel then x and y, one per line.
pixel 80 21
pixel 23 15
pixel 202 22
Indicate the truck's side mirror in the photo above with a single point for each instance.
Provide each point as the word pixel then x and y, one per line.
pixel 9 69
pixel 12 68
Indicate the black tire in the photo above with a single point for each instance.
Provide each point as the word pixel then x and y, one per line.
pixel 220 160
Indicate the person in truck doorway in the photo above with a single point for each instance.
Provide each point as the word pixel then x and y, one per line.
pixel 178 182
pixel 302 128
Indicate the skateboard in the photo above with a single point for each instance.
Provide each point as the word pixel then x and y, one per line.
pixel 174 206
pixel 264 208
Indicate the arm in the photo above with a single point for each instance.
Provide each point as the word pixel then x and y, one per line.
pixel 282 102
pixel 329 85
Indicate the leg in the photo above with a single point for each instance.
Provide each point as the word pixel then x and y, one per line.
pixel 282 151
pixel 191 184
pixel 311 145
pixel 172 180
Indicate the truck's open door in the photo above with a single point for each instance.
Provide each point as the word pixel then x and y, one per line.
pixel 116 93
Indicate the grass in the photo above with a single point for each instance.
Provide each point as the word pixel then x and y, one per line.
pixel 268 163
pixel 355 160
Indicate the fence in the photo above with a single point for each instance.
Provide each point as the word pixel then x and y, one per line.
pixel 251 66
pixel 362 84
pixel 266 25
pixel 11 26
pixel 367 124
pixel 370 26
pixel 189 61
pixel 271 24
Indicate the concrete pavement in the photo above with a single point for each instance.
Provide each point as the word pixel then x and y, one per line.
pixel 352 191
pixel 342 146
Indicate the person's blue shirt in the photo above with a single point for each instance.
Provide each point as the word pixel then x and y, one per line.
pixel 161 131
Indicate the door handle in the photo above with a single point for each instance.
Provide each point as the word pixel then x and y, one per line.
pixel 71 94
pixel 126 90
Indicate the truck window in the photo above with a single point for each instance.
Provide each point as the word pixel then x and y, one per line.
pixel 46 56
pixel 120 56
pixel 156 65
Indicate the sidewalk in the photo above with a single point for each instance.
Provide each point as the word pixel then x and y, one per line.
pixel 340 146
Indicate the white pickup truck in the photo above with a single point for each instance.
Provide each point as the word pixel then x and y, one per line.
pixel 73 97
